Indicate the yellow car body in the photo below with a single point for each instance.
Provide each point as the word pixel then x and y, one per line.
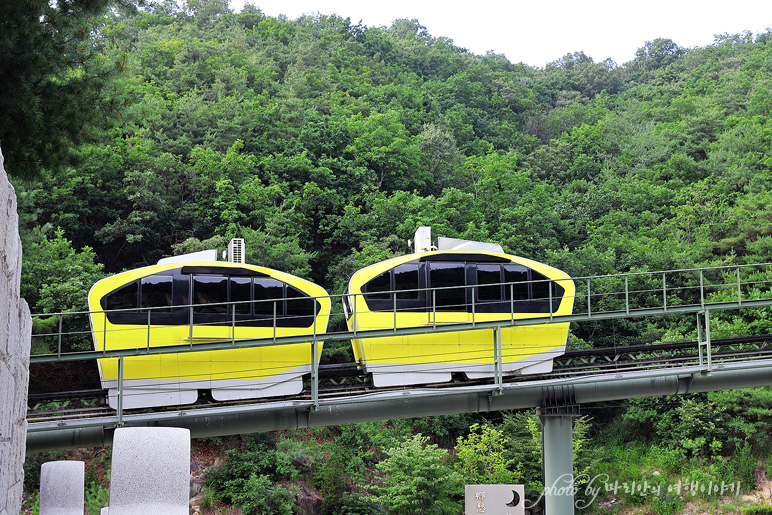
pixel 188 304
pixel 437 288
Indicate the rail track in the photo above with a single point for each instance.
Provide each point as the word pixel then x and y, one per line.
pixel 348 379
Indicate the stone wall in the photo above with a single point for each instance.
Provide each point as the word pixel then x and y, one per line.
pixel 15 331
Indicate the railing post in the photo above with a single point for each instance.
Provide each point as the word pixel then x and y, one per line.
pixel 589 311
pixel 191 326
pixel 394 307
pixel 233 324
pixel 497 365
pixel 315 375
pixel 434 309
pixel 627 295
pixel 702 289
pixel 355 315
pixel 739 290
pixel 473 292
pixel 59 346
pixel 315 367
pixel 664 292
pixel 708 354
pixel 148 329
pixel 707 340
pixel 512 302
pixel 549 285
pixel 120 391
pixel 699 339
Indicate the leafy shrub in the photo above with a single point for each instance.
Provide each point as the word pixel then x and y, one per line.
pixel 668 504
pixel 481 457
pixel 749 415
pixel 419 480
pixel 643 414
pixel 293 459
pixel 446 429
pixel 353 505
pixel 757 510
pixel 672 459
pixel 96 498
pixel 259 497
pixel 744 465
pixel 330 476
pixel 57 281
pixel 523 433
pixel 693 425
pixel 33 503
pixel 258 459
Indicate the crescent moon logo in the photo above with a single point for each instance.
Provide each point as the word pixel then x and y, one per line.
pixel 515 499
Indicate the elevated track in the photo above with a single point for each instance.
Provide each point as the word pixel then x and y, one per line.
pixel 340 394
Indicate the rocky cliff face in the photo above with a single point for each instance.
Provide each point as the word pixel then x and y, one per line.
pixel 15 331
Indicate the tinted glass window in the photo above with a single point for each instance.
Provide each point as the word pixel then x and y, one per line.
pixel 378 287
pixel 450 277
pixel 241 294
pixel 516 282
pixel 126 297
pixel 299 304
pixel 490 275
pixel 210 293
pixel 156 291
pixel 406 281
pixel 267 289
pixel 540 286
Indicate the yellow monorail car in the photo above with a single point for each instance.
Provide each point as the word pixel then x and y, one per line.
pixel 474 282
pixel 178 302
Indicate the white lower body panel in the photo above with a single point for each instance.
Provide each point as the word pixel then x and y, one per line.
pixel 149 393
pixel 407 374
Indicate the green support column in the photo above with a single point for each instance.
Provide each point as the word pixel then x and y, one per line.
pixel 558 463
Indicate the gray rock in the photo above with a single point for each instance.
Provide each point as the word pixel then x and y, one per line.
pixel 15 334
pixel 310 502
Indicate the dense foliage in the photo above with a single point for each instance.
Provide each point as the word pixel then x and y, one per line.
pixel 325 144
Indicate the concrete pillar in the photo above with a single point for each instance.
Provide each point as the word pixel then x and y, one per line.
pixel 150 471
pixel 15 335
pixel 558 463
pixel 62 486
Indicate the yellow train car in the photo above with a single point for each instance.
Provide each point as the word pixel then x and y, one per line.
pixel 437 287
pixel 181 302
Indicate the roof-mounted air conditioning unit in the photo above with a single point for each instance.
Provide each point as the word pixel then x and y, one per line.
pixel 236 250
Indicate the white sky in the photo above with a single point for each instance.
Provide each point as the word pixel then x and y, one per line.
pixel 536 32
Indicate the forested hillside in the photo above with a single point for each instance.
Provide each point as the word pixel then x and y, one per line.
pixel 325 144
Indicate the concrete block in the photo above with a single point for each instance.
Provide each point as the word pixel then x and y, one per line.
pixel 150 471
pixel 62 488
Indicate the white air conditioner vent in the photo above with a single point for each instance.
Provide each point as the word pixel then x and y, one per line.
pixel 423 239
pixel 236 250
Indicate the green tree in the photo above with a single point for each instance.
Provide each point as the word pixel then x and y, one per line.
pixel 481 457
pixel 55 93
pixel 383 148
pixel 418 479
pixel 56 278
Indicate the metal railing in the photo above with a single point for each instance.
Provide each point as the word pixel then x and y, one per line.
pixel 688 291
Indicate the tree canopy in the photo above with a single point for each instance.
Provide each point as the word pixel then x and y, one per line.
pixel 326 143
pixel 55 91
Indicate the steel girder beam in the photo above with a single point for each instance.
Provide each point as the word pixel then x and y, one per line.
pixel 271 416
